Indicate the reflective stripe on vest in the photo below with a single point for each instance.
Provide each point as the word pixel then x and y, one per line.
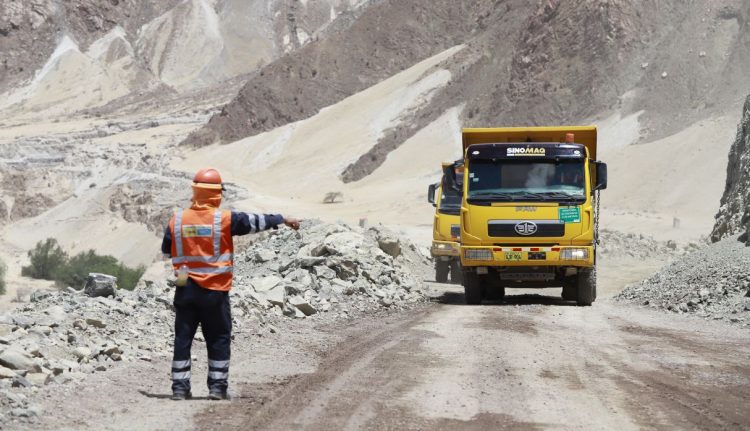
pixel 217 233
pixel 217 270
pixel 226 257
pixel 178 233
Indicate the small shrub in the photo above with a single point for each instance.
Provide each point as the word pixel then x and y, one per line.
pixel 332 196
pixel 50 262
pixel 46 259
pixel 78 267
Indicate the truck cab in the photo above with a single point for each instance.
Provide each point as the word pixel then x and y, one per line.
pixel 528 213
pixel 446 230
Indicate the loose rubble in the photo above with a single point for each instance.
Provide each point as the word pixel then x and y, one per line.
pixel 713 283
pixel 324 271
pixel 620 244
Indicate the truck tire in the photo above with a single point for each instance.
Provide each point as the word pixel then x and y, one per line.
pixel 493 289
pixel 472 288
pixel 586 288
pixel 569 291
pixel 456 272
pixel 442 269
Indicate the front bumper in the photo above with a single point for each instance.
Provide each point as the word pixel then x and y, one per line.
pixel 445 249
pixel 578 256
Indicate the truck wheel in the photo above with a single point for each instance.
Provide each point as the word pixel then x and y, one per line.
pixel 586 288
pixel 493 291
pixel 441 271
pixel 472 288
pixel 569 291
pixel 456 272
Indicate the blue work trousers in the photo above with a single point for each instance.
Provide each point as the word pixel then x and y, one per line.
pixel 210 308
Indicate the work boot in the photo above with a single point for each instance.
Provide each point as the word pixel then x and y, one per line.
pixel 181 396
pixel 218 395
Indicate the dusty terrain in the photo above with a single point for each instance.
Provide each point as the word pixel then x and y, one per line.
pixel 532 362
pixel 109 106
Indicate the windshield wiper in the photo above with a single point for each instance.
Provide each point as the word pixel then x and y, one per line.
pixel 491 195
pixel 562 195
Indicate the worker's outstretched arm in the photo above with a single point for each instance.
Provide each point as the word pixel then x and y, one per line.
pixel 245 223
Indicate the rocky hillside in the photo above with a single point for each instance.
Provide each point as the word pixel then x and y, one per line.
pixel 523 63
pixel 734 215
pixel 68 56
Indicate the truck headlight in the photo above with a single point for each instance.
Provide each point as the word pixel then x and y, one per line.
pixel 574 254
pixel 478 254
pixel 443 246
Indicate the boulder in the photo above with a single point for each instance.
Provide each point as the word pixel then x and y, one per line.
pixel 390 244
pixel 16 359
pixel 7 373
pixel 301 276
pixel 324 272
pixel 275 295
pixel 302 305
pixel 264 255
pixel 344 243
pixel 100 285
pixel 265 284
pixel 96 322
pixel 38 379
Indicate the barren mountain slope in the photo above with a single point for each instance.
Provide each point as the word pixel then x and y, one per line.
pixel 555 63
pixel 30 30
pixel 87 54
pixel 386 38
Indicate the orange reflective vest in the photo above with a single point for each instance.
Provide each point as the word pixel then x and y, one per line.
pixel 202 240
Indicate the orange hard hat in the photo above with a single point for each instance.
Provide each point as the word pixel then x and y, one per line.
pixel 207 175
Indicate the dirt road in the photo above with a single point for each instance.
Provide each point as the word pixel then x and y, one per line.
pixel 532 362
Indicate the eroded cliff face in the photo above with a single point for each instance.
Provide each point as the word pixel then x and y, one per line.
pixel 734 215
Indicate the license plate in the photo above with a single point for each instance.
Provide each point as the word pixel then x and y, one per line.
pixel 513 256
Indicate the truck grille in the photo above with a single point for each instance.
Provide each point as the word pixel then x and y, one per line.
pixel 507 228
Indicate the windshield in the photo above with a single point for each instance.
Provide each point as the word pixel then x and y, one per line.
pixel 512 180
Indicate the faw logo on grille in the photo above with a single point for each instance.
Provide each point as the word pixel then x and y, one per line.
pixel 526 228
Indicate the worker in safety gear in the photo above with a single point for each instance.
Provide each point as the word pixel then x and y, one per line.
pixel 199 240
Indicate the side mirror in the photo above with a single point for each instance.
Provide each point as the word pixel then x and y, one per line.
pixel 431 194
pixel 601 176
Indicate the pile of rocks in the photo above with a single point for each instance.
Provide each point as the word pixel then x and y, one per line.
pixel 620 244
pixel 324 271
pixel 327 267
pixel 713 282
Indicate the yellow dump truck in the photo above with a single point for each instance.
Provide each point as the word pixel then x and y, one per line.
pixel 529 211
pixel 445 226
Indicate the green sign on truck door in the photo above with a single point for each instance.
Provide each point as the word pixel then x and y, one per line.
pixel 569 214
